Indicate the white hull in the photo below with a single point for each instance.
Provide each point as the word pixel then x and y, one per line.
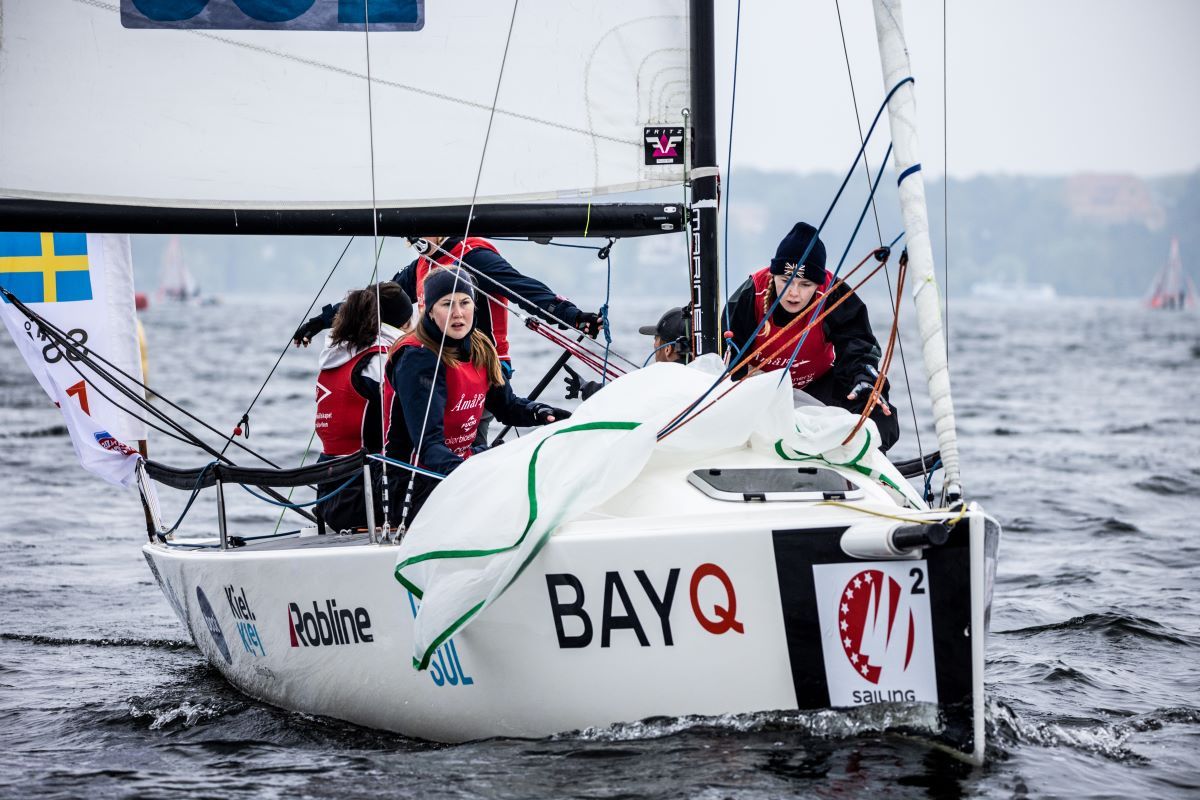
pixel 748 613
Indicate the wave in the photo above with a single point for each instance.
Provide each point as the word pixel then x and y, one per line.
pixel 1107 739
pixel 70 641
pixel 1113 625
pixel 38 433
pixel 1166 485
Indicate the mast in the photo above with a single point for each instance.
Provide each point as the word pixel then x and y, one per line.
pixel 703 217
pixel 902 116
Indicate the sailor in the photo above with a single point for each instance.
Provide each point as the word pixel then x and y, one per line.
pixel 838 362
pixel 349 396
pixel 672 345
pixel 439 401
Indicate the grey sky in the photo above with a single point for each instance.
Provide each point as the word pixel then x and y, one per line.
pixel 1036 86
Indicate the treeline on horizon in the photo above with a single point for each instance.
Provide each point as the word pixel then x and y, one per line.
pixel 1085 235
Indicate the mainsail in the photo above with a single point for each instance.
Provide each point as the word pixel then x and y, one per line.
pixel 279 118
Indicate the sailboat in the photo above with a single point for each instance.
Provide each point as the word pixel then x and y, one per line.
pixel 1172 288
pixel 175 281
pixel 659 554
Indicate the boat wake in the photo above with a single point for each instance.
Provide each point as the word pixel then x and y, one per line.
pixel 71 641
pixel 1006 731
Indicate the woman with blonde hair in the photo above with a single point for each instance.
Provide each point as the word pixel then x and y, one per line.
pixel 445 375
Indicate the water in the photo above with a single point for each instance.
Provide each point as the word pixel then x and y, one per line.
pixel 1077 422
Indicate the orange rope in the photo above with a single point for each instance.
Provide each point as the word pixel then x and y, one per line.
pixel 886 363
pixel 756 351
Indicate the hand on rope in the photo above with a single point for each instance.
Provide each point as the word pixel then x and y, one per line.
pixel 865 383
pixel 589 323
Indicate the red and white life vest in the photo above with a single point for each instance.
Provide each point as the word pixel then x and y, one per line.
pixel 342 411
pixel 466 389
pixel 815 356
pixel 499 310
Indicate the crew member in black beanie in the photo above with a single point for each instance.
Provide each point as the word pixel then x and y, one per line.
pixel 349 394
pixel 446 374
pixel 839 359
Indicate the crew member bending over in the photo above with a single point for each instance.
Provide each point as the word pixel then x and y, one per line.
pixel 439 402
pixel 839 360
pixel 349 400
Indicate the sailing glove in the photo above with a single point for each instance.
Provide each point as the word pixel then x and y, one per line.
pixel 588 323
pixel 864 382
pixel 307 331
pixel 577 387
pixel 542 413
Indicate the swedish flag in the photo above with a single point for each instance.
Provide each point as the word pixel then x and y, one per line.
pixel 45 267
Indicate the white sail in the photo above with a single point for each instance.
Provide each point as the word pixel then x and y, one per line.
pixel 279 118
pixel 902 115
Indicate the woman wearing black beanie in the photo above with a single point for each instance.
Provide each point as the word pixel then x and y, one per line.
pixel 445 375
pixel 838 361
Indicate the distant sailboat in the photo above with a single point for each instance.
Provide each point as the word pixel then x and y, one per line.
pixel 1172 289
pixel 175 281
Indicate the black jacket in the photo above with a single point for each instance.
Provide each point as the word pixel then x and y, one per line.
pixel 413 373
pixel 847 328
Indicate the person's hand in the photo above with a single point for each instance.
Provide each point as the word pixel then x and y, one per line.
pixel 305 333
pixel 588 323
pixel 577 387
pixel 864 386
pixel 545 414
pixel 507 369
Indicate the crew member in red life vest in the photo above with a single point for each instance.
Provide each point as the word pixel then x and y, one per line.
pixel 839 360
pixel 349 400
pixel 439 404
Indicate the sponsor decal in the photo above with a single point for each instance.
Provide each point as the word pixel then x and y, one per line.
pixel 214 627
pixel 276 15
pixel 617 612
pixel 445 666
pixel 876 632
pixel 663 145
pixel 329 625
pixel 109 442
pixel 247 625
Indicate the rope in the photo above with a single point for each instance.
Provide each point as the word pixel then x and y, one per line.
pixel 410 467
pixel 912 406
pixel 896 517
pixel 929 478
pixel 470 215
pixel 875 396
pixel 162 535
pixel 245 416
pixel 604 324
pixel 294 506
pixel 303 458
pixel 786 372
pixel 728 188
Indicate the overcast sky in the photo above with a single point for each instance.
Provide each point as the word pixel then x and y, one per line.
pixel 1035 86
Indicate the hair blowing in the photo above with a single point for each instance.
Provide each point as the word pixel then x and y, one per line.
pixel 357 320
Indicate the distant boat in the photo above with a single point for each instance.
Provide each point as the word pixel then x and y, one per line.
pixel 1019 292
pixel 1172 290
pixel 175 281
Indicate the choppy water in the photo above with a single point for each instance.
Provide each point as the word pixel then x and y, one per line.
pixel 1078 432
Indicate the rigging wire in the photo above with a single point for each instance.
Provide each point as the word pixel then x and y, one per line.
pixel 470 214
pixel 727 189
pixel 376 249
pixel 246 415
pixel 912 406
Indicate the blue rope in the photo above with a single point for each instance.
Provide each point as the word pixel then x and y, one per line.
pixel 833 204
pixel 266 499
pixel 728 188
pixel 162 535
pixel 419 470
pixel 929 477
pixel 786 373
pixel 650 357
pixel 604 318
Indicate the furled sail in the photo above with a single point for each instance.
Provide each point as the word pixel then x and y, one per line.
pixel 102 104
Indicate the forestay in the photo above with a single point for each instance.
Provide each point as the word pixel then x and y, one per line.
pixel 459 557
pixel 95 111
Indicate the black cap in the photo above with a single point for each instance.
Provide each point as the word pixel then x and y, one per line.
pixel 394 306
pixel 670 328
pixel 442 282
pixel 792 248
